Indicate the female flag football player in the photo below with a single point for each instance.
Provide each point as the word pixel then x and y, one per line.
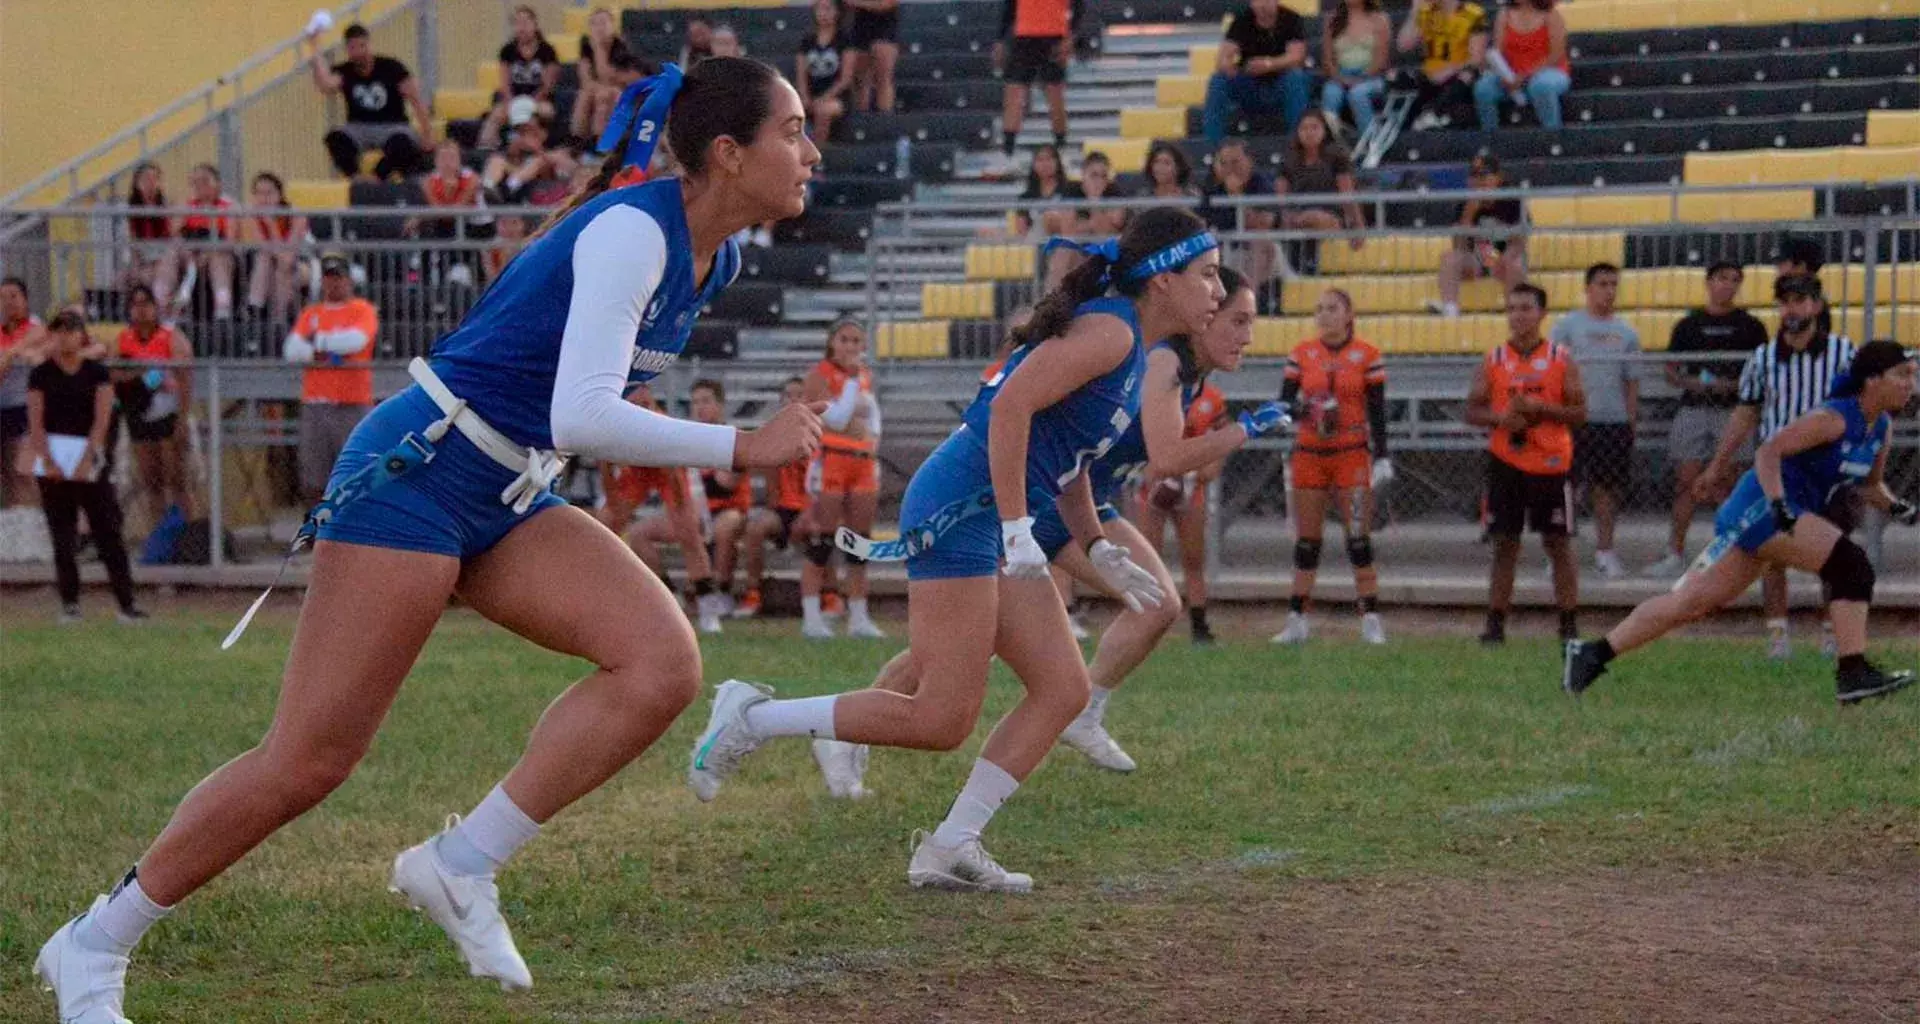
pixel 1775 517
pixel 844 480
pixel 1066 395
pixel 445 489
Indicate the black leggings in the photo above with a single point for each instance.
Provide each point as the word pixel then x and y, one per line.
pixel 401 155
pixel 63 500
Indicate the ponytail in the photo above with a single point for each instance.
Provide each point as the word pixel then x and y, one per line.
pixel 1160 240
pixel 600 182
pixel 1054 313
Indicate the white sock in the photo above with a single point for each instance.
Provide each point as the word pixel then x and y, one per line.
pixel 987 788
pixel 802 716
pixel 1779 624
pixel 485 839
pixel 810 608
pixel 120 924
pixel 857 608
pixel 1097 703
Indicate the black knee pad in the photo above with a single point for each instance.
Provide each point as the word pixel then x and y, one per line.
pixel 820 551
pixel 1360 551
pixel 1306 555
pixel 1847 574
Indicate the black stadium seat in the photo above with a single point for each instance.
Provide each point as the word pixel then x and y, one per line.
pixel 947 65
pixel 860 191
pixel 846 230
pixel 1869 201
pixel 963 129
pixel 917 18
pixel 787 264
pixel 931 161
pixel 931 96
pixel 759 303
pixel 712 341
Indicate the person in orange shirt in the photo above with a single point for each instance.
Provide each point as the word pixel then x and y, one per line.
pixel 626 488
pixel 846 477
pixel 333 338
pixel 154 400
pixel 1337 388
pixel 1184 499
pixel 1527 392
pixel 784 521
pixel 180 265
pixel 23 345
pixel 729 497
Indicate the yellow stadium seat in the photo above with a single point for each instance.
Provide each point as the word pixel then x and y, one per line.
pixel 1484 295
pixel 1629 15
pixel 567 47
pixel 913 339
pixel 1270 337
pixel 1398 254
pixel 1711 12
pixel 458 104
pixel 957 301
pixel 1127 154
pixel 1153 123
pixel 1304 8
pixel 1842 10
pixel 1862 163
pixel 1180 90
pixel 317 195
pixel 1000 262
pixel 575 20
pixel 1756 286
pixel 1893 128
pixel 1708 207
pixel 1203 61
pixel 1589 16
pixel 1629 209
pixel 1771 12
pixel 1549 250
pixel 486 75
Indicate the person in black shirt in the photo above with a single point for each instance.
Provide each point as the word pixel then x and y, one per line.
pixel 1234 175
pixel 379 92
pixel 69 410
pixel 1046 179
pixel 821 70
pixel 528 67
pixel 1500 254
pixel 1262 69
pixel 606 67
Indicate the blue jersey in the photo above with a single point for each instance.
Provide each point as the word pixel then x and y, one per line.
pixel 502 357
pixel 1127 458
pixel 1811 477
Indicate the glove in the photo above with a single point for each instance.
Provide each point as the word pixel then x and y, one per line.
pixel 1382 472
pixel 1783 515
pixel 1025 560
pixel 153 379
pixel 1906 513
pixel 1264 418
pixel 1121 574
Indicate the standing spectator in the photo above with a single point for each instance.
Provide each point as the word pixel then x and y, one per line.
pixel 1528 62
pixel 1500 254
pixel 1527 393
pixel 1451 36
pixel 69 409
pixel 606 67
pixel 527 172
pixel 379 92
pixel 1168 173
pixel 874 45
pixel 181 266
pixel 528 67
pixel 151 234
pixel 823 71
pixel 1234 175
pixel 334 339
pixel 1263 68
pixel 1041 46
pixel 1316 165
pixel 1046 180
pixel 1606 349
pixel 154 402
pixel 23 344
pixel 1707 395
pixel 699 44
pixel 1355 50
pixel 276 242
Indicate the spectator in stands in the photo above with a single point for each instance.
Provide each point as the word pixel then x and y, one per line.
pixel 1708 390
pixel 726 42
pixel 23 344
pixel 69 410
pixel 678 522
pixel 182 266
pixel 1451 36
pixel 1316 165
pixel 151 234
pixel 333 338
pixel 1234 175
pixel 1262 69
pixel 1607 349
pixel 379 92
pixel 529 67
pixel 823 70
pixel 1800 256
pixel 272 285
pixel 451 186
pixel 154 402
pixel 527 172
pixel 1528 62
pixel 1500 253
pixel 1168 172
pixel 873 42
pixel 1527 393
pixel 699 44
pixel 1356 48
pixel 606 67
pixel 1036 46
pixel 1097 221
pixel 783 522
pixel 1046 180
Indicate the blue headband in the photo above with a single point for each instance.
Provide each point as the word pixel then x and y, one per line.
pixel 646 101
pixel 1172 258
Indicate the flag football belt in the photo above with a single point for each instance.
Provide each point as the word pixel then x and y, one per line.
pixel 922 537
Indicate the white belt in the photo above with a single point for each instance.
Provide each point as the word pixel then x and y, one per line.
pixel 537 469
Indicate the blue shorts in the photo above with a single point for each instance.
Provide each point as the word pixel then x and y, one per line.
pixel 970 547
pixel 449 506
pixel 1745 519
pixel 1051 533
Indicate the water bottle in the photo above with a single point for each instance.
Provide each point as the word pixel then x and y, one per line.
pixel 902 158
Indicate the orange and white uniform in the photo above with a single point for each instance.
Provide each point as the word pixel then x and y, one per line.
pixel 790 486
pixel 848 461
pixel 721 497
pixel 341 335
pixel 633 485
pixel 1204 414
pixel 201 225
pixel 1332 442
pixel 1546 447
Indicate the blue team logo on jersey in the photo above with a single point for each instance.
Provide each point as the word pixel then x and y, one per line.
pixel 653 310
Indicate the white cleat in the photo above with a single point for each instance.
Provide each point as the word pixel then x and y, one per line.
pixel 844 766
pixel 1089 736
pixel 818 629
pixel 1609 565
pixel 1779 645
pixel 964 868
pixel 727 740
pixel 1296 631
pixel 712 608
pixel 1372 630
pixel 863 628
pixel 89 986
pixel 467 908
pixel 1668 567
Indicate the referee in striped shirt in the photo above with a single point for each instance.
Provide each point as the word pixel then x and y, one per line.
pixel 1780 383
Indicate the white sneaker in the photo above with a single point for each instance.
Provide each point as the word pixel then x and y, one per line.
pixel 727 740
pixel 1296 632
pixel 1829 645
pixel 711 608
pixel 1670 566
pixel 817 629
pixel 1609 564
pixel 966 868
pixel 89 986
pixel 844 766
pixel 1372 630
pixel 1779 645
pixel 863 627
pixel 1089 736
pixel 466 907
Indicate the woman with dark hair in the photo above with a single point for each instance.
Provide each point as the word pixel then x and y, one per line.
pixel 1528 61
pixel 150 233
pixel 181 266
pixel 1065 396
pixel 1046 179
pixel 1168 172
pixel 447 488
pixel 528 67
pixel 823 69
pixel 155 402
pixel 1314 165
pixel 276 257
pixel 1356 48
pixel 845 478
pixel 606 66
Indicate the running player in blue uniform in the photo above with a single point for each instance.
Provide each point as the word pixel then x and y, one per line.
pixel 1064 397
pixel 444 491
pixel 1776 516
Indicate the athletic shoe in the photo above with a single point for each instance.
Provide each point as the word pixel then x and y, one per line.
pixel 1609 564
pixel 1493 636
pixel 1779 645
pixel 1829 645
pixel 747 607
pixel 844 766
pixel 1203 636
pixel 817 629
pixel 89 986
pixel 831 605
pixel 1296 631
pixel 1868 682
pixel 466 907
pixel 1668 567
pixel 1089 737
pixel 1580 666
pixel 69 615
pixel 727 740
pixel 711 608
pixel 862 627
pixel 1372 630
pixel 131 616
pixel 965 868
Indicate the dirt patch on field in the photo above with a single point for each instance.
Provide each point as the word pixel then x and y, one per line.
pixel 1774 945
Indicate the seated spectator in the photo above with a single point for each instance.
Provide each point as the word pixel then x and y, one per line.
pixel 1097 221
pixel 1451 36
pixel 181 266
pixel 1262 68
pixel 1168 173
pixel 1046 179
pixel 606 67
pixel 822 72
pixel 527 172
pixel 154 402
pixel 726 42
pixel 699 44
pixel 451 186
pixel 678 522
pixel 530 68
pixel 1234 175
pixel 272 285
pixel 379 92
pixel 729 494
pixel 1500 253
pixel 1355 51
pixel 873 39
pixel 333 339
pixel 1036 44
pixel 783 522
pixel 150 234
pixel 1528 62
pixel 23 344
pixel 511 233
pixel 1316 165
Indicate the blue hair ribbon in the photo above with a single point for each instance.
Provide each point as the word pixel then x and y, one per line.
pixel 1172 258
pixel 1106 249
pixel 647 103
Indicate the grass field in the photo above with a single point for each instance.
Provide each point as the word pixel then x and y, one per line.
pixel 1427 831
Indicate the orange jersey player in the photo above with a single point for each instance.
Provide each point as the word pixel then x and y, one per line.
pixel 846 477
